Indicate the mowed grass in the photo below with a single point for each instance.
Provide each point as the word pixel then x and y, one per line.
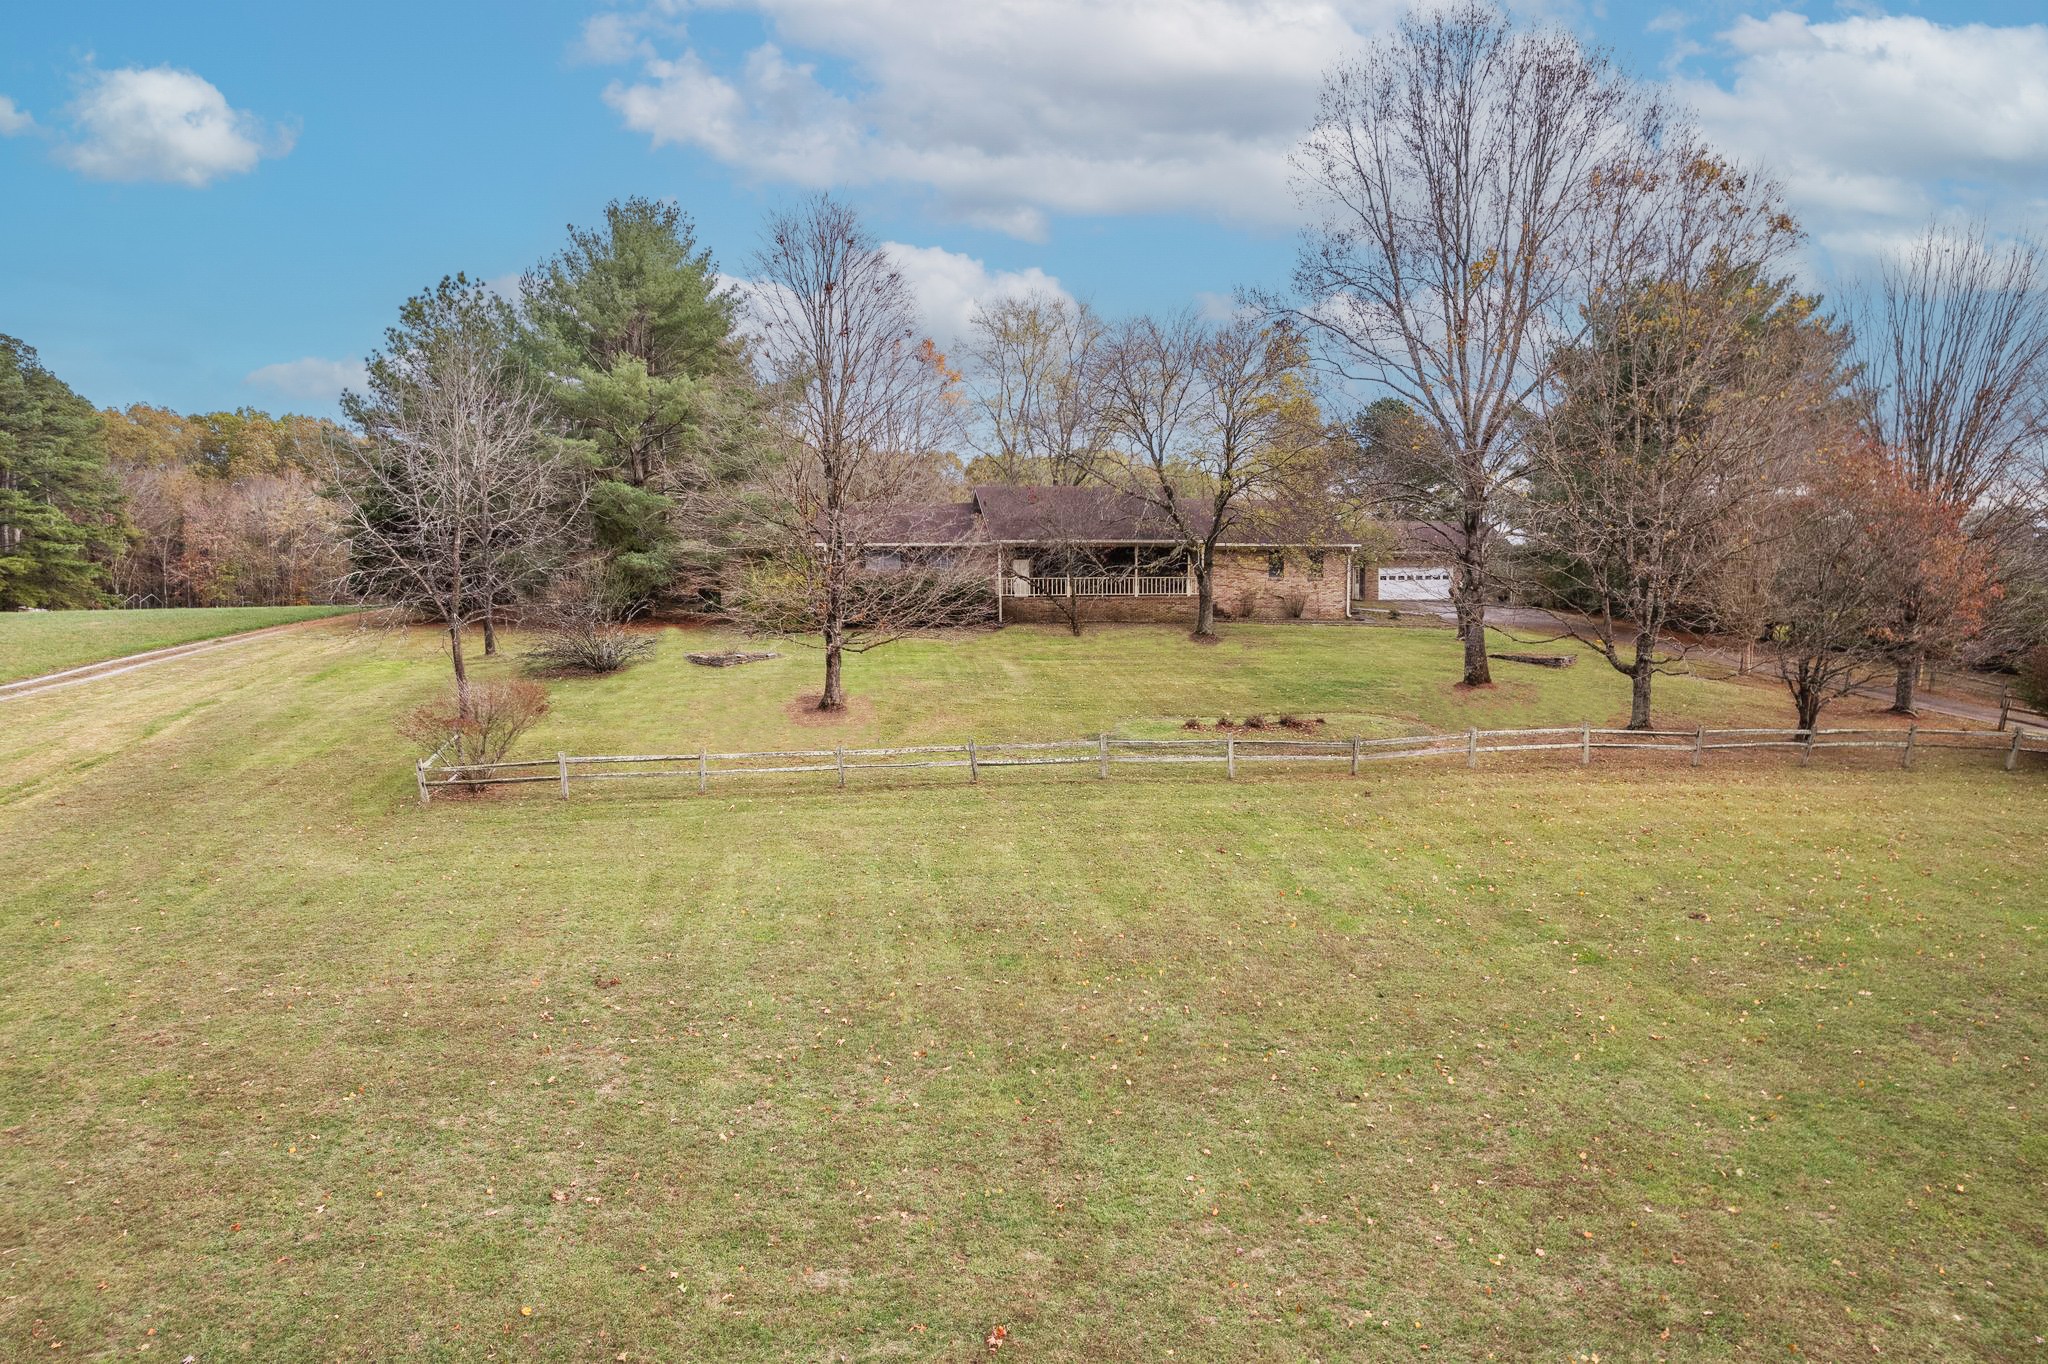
pixel 36 642
pixel 1532 1062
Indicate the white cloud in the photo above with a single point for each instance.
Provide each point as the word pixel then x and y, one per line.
pixel 1213 306
pixel 1009 109
pixel 161 123
pixel 946 286
pixel 311 379
pixel 1876 122
pixel 13 118
pixel 608 39
pixel 949 284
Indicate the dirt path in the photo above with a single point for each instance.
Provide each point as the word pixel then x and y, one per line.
pixel 114 667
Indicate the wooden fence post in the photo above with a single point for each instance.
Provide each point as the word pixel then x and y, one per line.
pixel 562 762
pixel 1102 744
pixel 2004 704
pixel 703 777
pixel 1354 755
pixel 1699 741
pixel 1230 756
pixel 1585 742
pixel 2012 751
pixel 973 764
pixel 419 772
pixel 1472 747
pixel 839 758
pixel 1906 757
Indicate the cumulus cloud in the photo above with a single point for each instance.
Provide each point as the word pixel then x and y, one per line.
pixel 13 118
pixel 310 379
pixel 1009 109
pixel 946 285
pixel 1877 121
pixel 164 124
pixel 949 285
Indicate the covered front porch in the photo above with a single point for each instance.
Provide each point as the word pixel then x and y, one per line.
pixel 1098 571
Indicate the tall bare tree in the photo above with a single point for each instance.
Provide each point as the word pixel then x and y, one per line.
pixel 1472 185
pixel 861 402
pixel 1688 406
pixel 1202 422
pixel 1030 360
pixel 1954 345
pixel 459 495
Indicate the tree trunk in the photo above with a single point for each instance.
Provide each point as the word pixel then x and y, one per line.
pixel 461 672
pixel 834 695
pixel 1205 598
pixel 1477 672
pixel 1073 608
pixel 1639 693
pixel 490 634
pixel 1905 686
pixel 1641 674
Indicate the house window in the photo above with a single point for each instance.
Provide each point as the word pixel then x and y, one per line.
pixel 1276 565
pixel 1315 565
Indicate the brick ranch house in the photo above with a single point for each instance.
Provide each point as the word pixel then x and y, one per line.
pixel 1044 546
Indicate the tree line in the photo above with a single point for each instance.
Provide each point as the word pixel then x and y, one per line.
pixel 148 507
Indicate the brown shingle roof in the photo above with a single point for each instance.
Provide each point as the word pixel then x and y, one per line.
pixel 1107 516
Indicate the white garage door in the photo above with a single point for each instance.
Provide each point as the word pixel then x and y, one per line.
pixel 1415 584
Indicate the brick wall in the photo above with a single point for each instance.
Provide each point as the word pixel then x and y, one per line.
pixel 1246 588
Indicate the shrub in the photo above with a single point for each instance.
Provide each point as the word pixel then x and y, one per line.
pixel 1295 604
pixel 499 712
pixel 582 629
pixel 1255 722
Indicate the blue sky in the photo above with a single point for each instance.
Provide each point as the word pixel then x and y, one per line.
pixel 219 204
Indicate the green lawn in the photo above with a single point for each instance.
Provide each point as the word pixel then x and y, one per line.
pixel 36 642
pixel 1532 1062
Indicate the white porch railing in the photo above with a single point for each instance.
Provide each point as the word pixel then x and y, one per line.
pixel 1110 585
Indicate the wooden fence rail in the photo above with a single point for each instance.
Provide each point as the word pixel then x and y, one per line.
pixel 1104 752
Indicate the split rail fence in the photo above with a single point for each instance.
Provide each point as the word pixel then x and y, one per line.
pixel 1230 752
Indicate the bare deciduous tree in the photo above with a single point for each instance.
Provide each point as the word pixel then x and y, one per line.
pixel 1698 389
pixel 1954 345
pixel 458 496
pixel 1030 363
pixel 861 402
pixel 1829 590
pixel 1472 185
pixel 1203 421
